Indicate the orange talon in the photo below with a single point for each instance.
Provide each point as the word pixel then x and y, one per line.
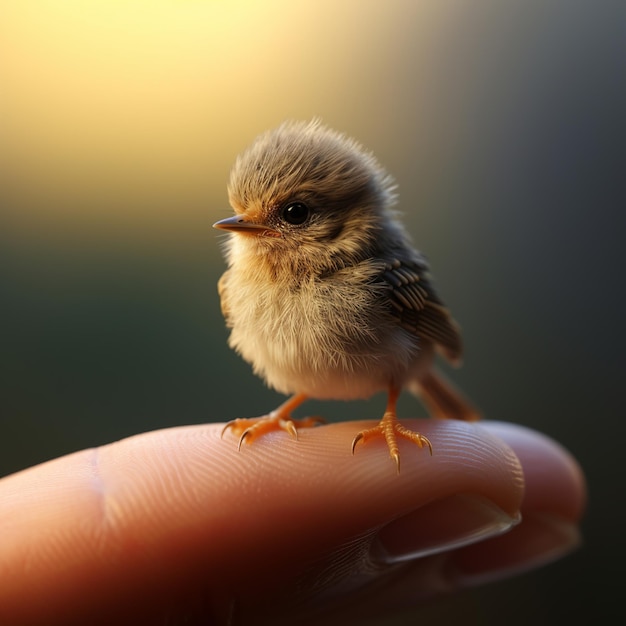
pixel 391 429
pixel 280 419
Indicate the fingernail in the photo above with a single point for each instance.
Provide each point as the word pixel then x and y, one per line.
pixel 440 526
pixel 541 539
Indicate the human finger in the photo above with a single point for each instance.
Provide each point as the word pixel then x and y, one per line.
pixel 177 522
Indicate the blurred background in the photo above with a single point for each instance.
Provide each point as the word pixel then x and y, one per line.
pixel 503 124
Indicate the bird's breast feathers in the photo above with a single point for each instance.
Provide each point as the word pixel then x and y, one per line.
pixel 330 337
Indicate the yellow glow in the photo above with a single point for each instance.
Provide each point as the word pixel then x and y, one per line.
pixel 112 111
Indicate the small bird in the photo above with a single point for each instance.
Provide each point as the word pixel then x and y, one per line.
pixel 324 295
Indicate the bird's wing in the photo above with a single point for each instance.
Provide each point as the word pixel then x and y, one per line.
pixel 418 308
pixel 222 290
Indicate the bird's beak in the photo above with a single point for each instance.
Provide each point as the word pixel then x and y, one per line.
pixel 241 224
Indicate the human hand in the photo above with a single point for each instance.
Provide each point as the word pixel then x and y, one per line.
pixel 176 526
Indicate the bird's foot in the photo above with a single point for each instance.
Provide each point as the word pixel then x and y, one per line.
pixel 390 428
pixel 248 429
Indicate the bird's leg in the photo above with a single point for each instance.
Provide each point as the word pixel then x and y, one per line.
pixel 390 428
pixel 279 419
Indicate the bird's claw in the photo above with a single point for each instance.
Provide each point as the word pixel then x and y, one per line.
pixel 389 428
pixel 250 428
pixel 356 440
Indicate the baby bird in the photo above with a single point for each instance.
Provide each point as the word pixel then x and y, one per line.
pixel 324 293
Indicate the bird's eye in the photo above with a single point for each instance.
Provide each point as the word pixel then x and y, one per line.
pixel 296 213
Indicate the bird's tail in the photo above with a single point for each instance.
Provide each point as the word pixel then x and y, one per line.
pixel 442 398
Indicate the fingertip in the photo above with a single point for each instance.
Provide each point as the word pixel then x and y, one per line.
pixel 555 481
pixel 460 456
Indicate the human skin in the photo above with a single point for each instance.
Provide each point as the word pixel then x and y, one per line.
pixel 176 526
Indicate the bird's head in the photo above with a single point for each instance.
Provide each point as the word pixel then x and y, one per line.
pixel 305 194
